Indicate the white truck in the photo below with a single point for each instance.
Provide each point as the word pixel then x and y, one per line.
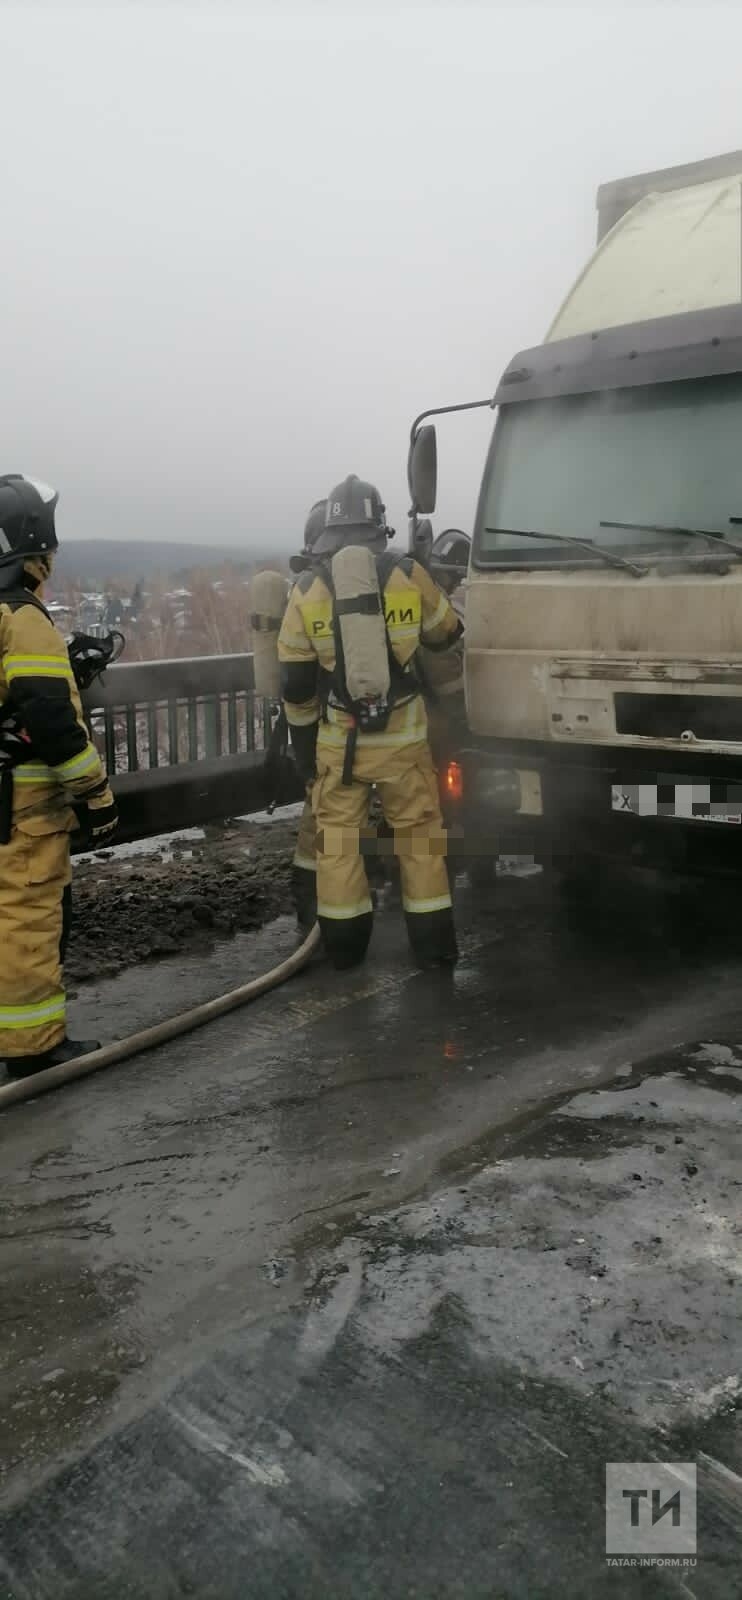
pixel 604 591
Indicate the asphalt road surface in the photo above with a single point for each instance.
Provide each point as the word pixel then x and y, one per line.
pixel 357 1292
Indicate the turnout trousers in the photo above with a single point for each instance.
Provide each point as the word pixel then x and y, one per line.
pixel 34 918
pixel 405 781
pixel 304 867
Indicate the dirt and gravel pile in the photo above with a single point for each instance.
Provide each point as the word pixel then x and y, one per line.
pixel 134 905
pixel 178 899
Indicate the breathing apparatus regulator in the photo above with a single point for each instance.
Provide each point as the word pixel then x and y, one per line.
pixel 90 655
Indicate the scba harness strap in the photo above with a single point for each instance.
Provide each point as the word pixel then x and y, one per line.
pixel 364 605
pixel 17 597
pixel 368 715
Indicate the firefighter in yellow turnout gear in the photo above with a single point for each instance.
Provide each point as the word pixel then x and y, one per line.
pixel 347 741
pixel 51 782
pixel 442 673
pixel 269 596
pixel 304 864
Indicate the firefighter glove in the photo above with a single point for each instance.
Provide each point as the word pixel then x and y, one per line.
pixel 97 813
pixel 304 745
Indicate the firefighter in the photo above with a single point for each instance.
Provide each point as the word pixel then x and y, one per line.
pixel 449 560
pixel 269 594
pixel 442 675
pixel 51 782
pixel 304 864
pixel 352 627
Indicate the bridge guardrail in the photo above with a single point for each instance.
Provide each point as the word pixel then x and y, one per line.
pixel 160 713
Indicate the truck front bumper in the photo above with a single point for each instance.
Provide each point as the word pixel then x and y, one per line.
pixel 609 803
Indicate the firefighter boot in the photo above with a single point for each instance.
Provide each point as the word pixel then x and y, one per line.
pixel 304 896
pixel 68 1050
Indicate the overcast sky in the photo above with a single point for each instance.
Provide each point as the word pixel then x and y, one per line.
pixel 241 248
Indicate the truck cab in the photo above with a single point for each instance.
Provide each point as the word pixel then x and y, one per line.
pixel 603 614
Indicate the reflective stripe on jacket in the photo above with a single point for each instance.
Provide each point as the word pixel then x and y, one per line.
pixel 37 685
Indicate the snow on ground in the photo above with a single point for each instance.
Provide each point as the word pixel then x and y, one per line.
pixel 163 842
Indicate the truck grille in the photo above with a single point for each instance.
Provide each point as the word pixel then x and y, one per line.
pixel 669 716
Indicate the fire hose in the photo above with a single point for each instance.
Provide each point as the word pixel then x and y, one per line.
pixel 161 1032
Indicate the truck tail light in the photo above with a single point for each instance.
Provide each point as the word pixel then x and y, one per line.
pixel 453 782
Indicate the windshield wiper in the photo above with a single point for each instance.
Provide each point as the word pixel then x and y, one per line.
pixel 692 533
pixel 582 544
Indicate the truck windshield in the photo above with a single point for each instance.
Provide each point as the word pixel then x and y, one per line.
pixel 665 454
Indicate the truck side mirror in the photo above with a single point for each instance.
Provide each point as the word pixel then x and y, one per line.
pixel 422 470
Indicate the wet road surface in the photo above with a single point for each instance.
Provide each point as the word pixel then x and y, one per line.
pixel 356 1292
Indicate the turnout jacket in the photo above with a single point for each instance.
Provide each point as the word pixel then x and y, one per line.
pixel 38 690
pixel 416 612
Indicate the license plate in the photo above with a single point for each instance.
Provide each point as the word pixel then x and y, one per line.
pixel 691 802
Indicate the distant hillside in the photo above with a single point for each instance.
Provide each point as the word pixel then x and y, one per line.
pixel 97 561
